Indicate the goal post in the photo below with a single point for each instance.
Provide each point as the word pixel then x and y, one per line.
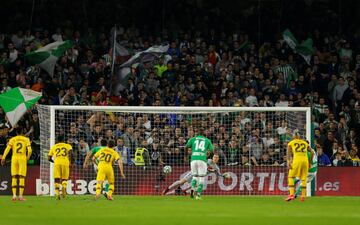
pixel 251 142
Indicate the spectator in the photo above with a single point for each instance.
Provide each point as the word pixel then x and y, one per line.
pixel 83 149
pixel 232 154
pixel 124 152
pixel 323 159
pixel 336 159
pixel 328 143
pixel 251 99
pixel 339 90
pixel 266 160
pixel 344 160
pixel 353 156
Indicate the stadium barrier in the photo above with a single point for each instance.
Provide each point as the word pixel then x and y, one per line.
pixel 33 174
pixel 331 181
pixel 338 181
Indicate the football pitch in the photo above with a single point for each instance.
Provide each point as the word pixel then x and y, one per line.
pixel 159 210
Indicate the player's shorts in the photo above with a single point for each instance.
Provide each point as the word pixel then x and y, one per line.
pixel 61 171
pixel 105 172
pixel 198 168
pixel 299 169
pixel 18 166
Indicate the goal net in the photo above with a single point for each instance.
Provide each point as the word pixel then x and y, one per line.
pixel 250 141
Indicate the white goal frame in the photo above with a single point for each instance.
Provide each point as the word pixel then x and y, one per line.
pixel 174 110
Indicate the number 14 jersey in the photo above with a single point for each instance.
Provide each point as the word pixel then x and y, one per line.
pixel 199 146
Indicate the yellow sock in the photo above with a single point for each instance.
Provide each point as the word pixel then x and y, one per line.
pixel 98 188
pixel 291 185
pixel 14 185
pixel 21 186
pixel 64 185
pixel 111 189
pixel 303 188
pixel 303 191
pixel 57 189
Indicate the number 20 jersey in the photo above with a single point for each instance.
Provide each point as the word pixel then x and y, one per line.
pixel 106 156
pixel 61 153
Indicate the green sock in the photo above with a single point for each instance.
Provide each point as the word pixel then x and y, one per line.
pixel 200 188
pixel 193 184
pixel 107 185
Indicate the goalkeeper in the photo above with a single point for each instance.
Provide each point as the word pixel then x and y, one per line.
pixel 311 173
pixel 89 155
pixel 212 168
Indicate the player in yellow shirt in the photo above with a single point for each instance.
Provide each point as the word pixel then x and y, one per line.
pixel 298 164
pixel 60 152
pixel 105 159
pixel 21 152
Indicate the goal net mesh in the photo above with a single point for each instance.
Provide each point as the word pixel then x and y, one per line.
pixel 251 146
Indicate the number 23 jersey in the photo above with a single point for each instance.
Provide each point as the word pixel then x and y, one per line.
pixel 299 148
pixel 106 156
pixel 61 153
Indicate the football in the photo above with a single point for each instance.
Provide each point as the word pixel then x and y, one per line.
pixel 167 169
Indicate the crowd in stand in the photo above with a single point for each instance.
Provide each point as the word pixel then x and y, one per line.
pixel 201 68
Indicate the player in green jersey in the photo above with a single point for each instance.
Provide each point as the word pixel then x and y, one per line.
pixel 199 145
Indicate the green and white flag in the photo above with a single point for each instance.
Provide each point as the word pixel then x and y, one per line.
pixel 305 49
pixel 288 72
pixel 47 56
pixel 17 101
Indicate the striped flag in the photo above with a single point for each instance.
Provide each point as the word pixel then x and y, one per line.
pixel 121 54
pixel 48 55
pixel 17 101
pixel 288 72
pixel 147 56
pixel 305 49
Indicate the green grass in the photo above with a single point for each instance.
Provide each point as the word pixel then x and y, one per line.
pixel 212 210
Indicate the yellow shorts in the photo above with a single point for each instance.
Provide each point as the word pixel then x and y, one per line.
pixel 61 171
pixel 18 167
pixel 105 172
pixel 299 169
